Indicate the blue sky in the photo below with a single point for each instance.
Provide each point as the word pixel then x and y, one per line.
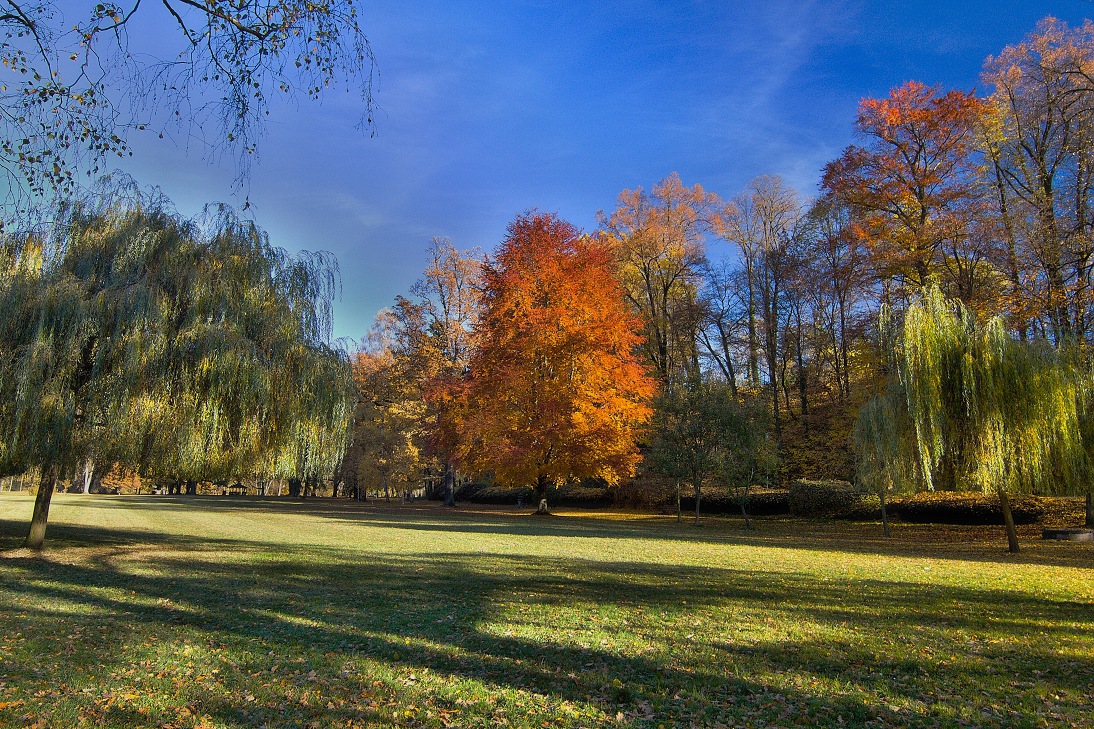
pixel 488 109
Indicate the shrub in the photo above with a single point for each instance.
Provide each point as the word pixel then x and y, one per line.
pixel 833 499
pixel 766 502
pixel 761 501
pixel 644 492
pixel 967 507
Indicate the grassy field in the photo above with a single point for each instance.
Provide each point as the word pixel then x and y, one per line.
pixel 235 612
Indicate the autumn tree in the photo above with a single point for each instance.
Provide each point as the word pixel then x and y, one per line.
pixel 75 85
pixel 387 427
pixel 658 242
pixel 837 275
pixel 1039 143
pixel 448 308
pixel 914 186
pixel 555 391
pixel 741 228
pixel 764 224
pixel 722 332
pixel 178 349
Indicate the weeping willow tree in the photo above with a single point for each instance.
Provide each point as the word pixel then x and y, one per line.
pixel 885 447
pixel 969 405
pixel 189 350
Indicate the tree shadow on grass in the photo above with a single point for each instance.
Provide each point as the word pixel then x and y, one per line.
pixel 608 636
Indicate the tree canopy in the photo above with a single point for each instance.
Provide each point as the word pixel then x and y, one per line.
pixel 554 390
pixel 968 404
pixel 75 85
pixel 180 349
pixel 703 431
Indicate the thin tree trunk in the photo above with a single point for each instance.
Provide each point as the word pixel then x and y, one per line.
pixel 803 384
pixel 89 470
pixel 36 537
pixel 679 514
pixel 744 508
pixel 1090 509
pixel 697 484
pixel 884 514
pixel 753 337
pixel 1008 521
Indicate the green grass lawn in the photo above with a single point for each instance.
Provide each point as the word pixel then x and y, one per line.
pixel 233 612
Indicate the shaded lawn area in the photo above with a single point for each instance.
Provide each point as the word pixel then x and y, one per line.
pixel 232 612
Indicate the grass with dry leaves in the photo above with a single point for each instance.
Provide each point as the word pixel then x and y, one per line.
pixel 236 612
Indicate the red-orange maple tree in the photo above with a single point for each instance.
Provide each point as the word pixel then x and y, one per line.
pixel 555 391
pixel 912 184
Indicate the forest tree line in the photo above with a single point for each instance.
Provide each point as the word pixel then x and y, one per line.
pixel 774 297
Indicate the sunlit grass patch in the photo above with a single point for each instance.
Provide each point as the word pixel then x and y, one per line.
pixel 234 612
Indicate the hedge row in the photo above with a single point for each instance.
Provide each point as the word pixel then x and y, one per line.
pixel 967 507
pixel 832 499
pixel 806 498
pixel 478 493
pixel 766 502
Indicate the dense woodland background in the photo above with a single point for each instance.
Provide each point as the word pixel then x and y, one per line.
pixel 775 297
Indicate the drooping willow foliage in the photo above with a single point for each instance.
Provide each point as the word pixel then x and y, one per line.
pixel 190 350
pixel 968 405
pixel 885 445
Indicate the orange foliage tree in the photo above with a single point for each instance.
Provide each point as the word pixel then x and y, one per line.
pixel 555 390
pixel 914 187
pixel 658 242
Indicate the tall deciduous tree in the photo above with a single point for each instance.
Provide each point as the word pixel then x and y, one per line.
pixel 914 186
pixel 658 242
pixel 555 390
pixel 764 223
pixel 1039 141
pixel 449 306
pixel 132 336
pixel 75 84
pixel 387 432
pixel 841 282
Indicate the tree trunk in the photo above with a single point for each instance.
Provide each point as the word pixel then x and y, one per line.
pixel 541 493
pixel 884 514
pixel 947 473
pixel 1008 520
pixel 679 515
pixel 1090 509
pixel 697 484
pixel 36 537
pixel 89 470
pixel 449 484
pixel 744 508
